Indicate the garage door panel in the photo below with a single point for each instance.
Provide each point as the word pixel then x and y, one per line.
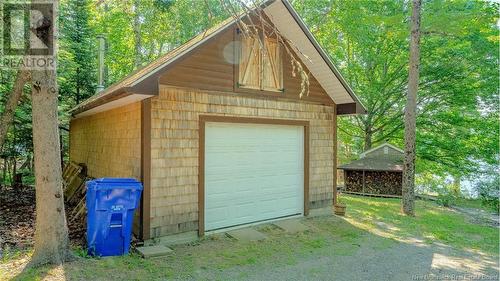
pixel 253 172
pixel 243 160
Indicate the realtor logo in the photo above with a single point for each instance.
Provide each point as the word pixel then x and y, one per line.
pixel 27 35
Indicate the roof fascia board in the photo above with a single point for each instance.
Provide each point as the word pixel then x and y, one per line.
pixel 121 92
pixel 350 109
pixel 123 100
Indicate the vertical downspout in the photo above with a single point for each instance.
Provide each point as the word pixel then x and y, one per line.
pixel 100 62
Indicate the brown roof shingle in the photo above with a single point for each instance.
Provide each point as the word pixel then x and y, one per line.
pixel 373 164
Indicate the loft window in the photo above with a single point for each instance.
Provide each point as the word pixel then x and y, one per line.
pixel 260 67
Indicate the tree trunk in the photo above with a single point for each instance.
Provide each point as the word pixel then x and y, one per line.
pixel 78 98
pixel 51 233
pixel 7 117
pixel 456 188
pixel 368 140
pixel 408 200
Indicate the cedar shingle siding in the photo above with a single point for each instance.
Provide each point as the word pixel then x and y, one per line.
pixel 108 143
pixel 174 144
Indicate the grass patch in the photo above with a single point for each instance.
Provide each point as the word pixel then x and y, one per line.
pixel 432 222
pixel 473 203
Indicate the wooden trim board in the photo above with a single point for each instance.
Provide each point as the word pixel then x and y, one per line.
pixel 146 169
pixel 201 177
pixel 203 119
pixel 335 155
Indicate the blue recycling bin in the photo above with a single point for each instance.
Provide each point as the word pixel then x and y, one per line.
pixel 110 212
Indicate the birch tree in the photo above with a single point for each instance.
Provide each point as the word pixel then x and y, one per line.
pixel 408 200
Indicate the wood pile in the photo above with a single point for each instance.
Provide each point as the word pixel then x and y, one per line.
pixel 374 182
pixel 74 178
pixel 353 181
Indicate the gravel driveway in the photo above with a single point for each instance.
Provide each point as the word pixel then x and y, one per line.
pixel 375 260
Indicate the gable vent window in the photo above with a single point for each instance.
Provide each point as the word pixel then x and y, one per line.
pixel 260 67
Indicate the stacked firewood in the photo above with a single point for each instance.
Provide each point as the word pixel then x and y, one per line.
pixel 74 177
pixel 383 183
pixel 375 182
pixel 354 181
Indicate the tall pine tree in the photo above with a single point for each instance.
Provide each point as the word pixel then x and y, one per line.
pixel 78 42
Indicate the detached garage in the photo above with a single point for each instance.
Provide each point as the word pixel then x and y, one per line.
pixel 253 170
pixel 217 129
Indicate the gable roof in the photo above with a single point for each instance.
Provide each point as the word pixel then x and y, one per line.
pixel 383 162
pixel 380 147
pixel 143 83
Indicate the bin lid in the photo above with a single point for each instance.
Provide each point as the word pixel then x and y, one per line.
pixel 121 180
pixel 115 183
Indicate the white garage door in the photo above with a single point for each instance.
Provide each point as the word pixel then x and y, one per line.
pixel 253 172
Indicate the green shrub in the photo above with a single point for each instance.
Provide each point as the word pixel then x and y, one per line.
pixel 446 198
pixel 437 186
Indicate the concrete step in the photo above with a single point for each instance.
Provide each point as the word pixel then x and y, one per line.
pixel 154 251
pixel 291 226
pixel 247 234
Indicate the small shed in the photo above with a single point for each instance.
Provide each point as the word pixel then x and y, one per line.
pixel 379 171
pixel 216 129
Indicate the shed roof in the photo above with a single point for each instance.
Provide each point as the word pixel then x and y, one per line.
pixel 371 161
pixel 373 164
pixel 142 83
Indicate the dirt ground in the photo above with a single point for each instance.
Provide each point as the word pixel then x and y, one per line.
pixel 17 218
